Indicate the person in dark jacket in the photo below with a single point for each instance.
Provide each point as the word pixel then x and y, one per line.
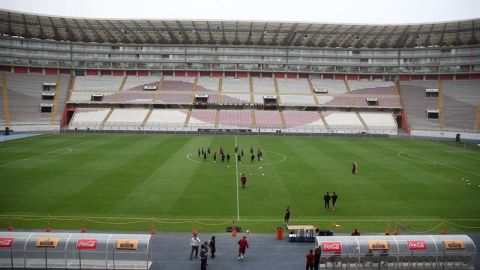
pixel 334 200
pixel 326 199
pixel 203 257
pixel 212 246
pixel 316 259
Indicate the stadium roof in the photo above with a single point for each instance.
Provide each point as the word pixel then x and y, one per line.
pixel 187 32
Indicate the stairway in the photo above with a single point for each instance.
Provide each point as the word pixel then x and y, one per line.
pixel 55 100
pixel 145 120
pixel 312 89
pixel 106 118
pixel 6 107
pixel 187 120
pixel 250 83
pixel 441 102
pixel 122 85
pixel 363 121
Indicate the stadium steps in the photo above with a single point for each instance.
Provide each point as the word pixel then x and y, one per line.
pixel 122 85
pixel 220 85
pixel 217 118
pixel 145 120
pixel 476 124
pixel 250 82
pixel 71 85
pixel 347 86
pixel 159 87
pixel 55 100
pixel 363 121
pixel 194 89
pixel 404 114
pixel 282 117
pixel 254 119
pixel 277 92
pixel 220 89
pixel 323 120
pixel 6 108
pixel 441 103
pixel 189 113
pixel 106 118
pixel 312 89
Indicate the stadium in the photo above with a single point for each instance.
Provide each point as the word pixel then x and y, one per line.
pixel 122 137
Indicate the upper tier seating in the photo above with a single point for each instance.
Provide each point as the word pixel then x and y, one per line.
pixel 207 84
pixel 293 86
pixel 416 104
pixel 232 85
pixel 298 100
pixel 460 103
pixel 177 83
pixel 344 121
pixel 235 98
pixel 25 97
pixel 126 118
pixel 263 86
pixel 88 118
pixel 333 86
pixel 98 83
pixel 372 88
pixel 130 97
pixel 137 83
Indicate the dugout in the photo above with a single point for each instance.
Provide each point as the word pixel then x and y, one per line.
pixel 74 250
pixel 398 252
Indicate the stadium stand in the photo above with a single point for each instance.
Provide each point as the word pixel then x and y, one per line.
pixel 293 86
pixel 372 87
pixel 202 118
pixel 332 86
pixel 177 83
pixel 303 119
pixel 98 83
pixel 379 122
pixel 227 98
pixel 235 118
pixel 167 119
pixel 268 119
pixel 207 84
pixel 138 83
pixel 298 100
pixel 341 122
pixel 417 103
pixel 25 97
pixel 126 118
pixel 461 99
pixel 130 97
pixel 88 118
pixel 263 86
pixel 232 85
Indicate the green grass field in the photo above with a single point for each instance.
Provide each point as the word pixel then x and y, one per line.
pixel 121 182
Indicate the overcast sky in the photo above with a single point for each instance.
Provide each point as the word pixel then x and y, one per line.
pixel 339 11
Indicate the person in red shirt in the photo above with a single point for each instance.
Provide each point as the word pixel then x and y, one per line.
pixel 310 258
pixel 242 247
pixel 244 181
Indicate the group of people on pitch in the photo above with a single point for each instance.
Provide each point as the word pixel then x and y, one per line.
pixel 205 152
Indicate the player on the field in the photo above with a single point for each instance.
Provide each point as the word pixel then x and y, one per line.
pixel 244 181
pixel 242 247
pixel 334 200
pixel 326 199
pixel 215 156
pixel 252 158
pixel 239 158
pixel 354 167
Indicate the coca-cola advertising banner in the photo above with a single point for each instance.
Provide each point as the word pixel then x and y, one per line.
pixel 331 247
pixel 417 245
pixel 87 244
pixel 6 242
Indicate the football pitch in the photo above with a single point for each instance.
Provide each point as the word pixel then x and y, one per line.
pixel 134 182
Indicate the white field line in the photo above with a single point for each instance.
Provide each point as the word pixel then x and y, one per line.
pixel 69 150
pixel 236 181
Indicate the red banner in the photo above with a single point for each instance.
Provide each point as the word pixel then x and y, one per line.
pixel 6 242
pixel 331 246
pixel 87 244
pixel 417 245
